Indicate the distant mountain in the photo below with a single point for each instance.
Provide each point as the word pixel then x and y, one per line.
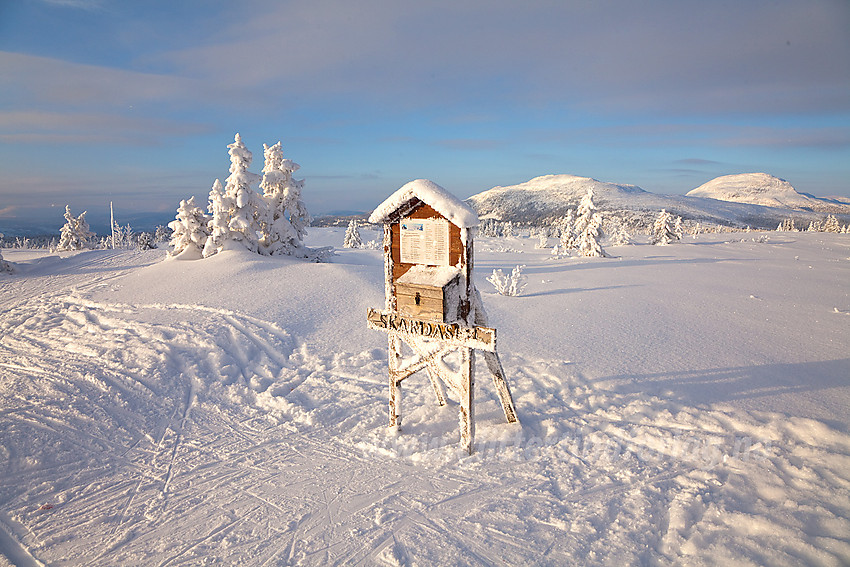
pixel 766 190
pixel 546 198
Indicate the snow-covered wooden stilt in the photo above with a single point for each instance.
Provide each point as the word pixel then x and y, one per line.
pixel 431 304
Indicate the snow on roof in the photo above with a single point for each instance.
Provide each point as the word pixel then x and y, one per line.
pixel 455 210
pixel 434 276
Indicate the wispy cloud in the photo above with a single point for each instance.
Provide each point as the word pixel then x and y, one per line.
pixel 43 127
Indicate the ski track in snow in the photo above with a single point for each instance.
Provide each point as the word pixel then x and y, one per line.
pixel 177 434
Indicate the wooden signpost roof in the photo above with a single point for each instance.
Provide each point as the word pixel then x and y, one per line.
pixel 422 190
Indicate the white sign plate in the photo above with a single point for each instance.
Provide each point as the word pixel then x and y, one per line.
pixel 425 241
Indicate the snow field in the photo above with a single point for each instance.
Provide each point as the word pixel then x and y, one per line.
pixel 678 404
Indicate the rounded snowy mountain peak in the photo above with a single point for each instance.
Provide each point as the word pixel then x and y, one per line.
pixel 754 188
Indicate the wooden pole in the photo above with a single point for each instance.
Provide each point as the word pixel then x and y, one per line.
pixel 394 350
pixel 467 405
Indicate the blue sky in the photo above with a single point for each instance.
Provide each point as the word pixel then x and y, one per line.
pixel 135 102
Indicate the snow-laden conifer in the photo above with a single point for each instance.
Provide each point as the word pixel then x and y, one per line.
pixel 246 207
pixel 352 236
pixel 218 225
pixel 566 227
pixel 621 236
pixel 831 224
pixel 587 227
pixel 286 218
pixel 4 265
pixel 663 231
pixel 75 235
pixel 190 230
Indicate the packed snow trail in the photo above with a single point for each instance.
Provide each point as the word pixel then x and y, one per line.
pixel 179 433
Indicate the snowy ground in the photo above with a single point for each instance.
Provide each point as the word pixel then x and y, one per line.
pixel 685 404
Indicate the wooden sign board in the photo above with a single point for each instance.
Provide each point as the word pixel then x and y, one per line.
pixel 480 338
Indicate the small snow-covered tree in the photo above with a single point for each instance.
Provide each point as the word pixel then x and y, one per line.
pixel 218 226
pixel 286 217
pixel 190 231
pixel 621 237
pixel 145 241
pixel 508 229
pixel 566 226
pixel 678 228
pixel 587 227
pixel 75 235
pixel 162 234
pixel 831 224
pixel 663 230
pixel 4 265
pixel 542 241
pixel 512 285
pixel 352 236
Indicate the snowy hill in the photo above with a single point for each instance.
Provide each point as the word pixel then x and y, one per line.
pixel 548 197
pixel 678 405
pixel 766 190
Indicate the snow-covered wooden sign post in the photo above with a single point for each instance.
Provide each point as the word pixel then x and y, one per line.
pixel 432 305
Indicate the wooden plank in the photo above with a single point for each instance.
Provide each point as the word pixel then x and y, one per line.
pixel 480 338
pixel 494 364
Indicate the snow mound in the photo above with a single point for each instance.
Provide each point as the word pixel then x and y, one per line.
pixel 429 192
pixel 763 189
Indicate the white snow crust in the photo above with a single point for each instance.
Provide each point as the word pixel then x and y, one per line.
pixel 434 276
pixel 684 405
pixel 455 210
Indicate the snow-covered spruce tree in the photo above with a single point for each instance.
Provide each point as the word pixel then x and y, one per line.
pixel 218 226
pixel 145 241
pixel 190 231
pixel 75 235
pixel 352 236
pixel 162 234
pixel 662 230
pixel 621 237
pixel 246 207
pixel 831 224
pixel 587 227
pixel 566 226
pixel 678 228
pixel 284 223
pixel 4 265
pixel 542 241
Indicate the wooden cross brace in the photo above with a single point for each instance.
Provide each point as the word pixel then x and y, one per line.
pixel 461 383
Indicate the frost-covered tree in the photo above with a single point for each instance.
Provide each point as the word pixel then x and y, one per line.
pixel 587 227
pixel 352 236
pixel 566 227
pixel 4 265
pixel 621 237
pixel 814 226
pixel 512 285
pixel 542 241
pixel 75 235
pixel 678 228
pixel 246 206
pixel 161 234
pixel 831 224
pixel 508 229
pixel 663 230
pixel 190 230
pixel 218 226
pixel 145 241
pixel 285 220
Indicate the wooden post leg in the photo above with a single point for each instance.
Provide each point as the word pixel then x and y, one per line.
pixel 437 386
pixel 494 364
pixel 394 352
pixel 467 407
